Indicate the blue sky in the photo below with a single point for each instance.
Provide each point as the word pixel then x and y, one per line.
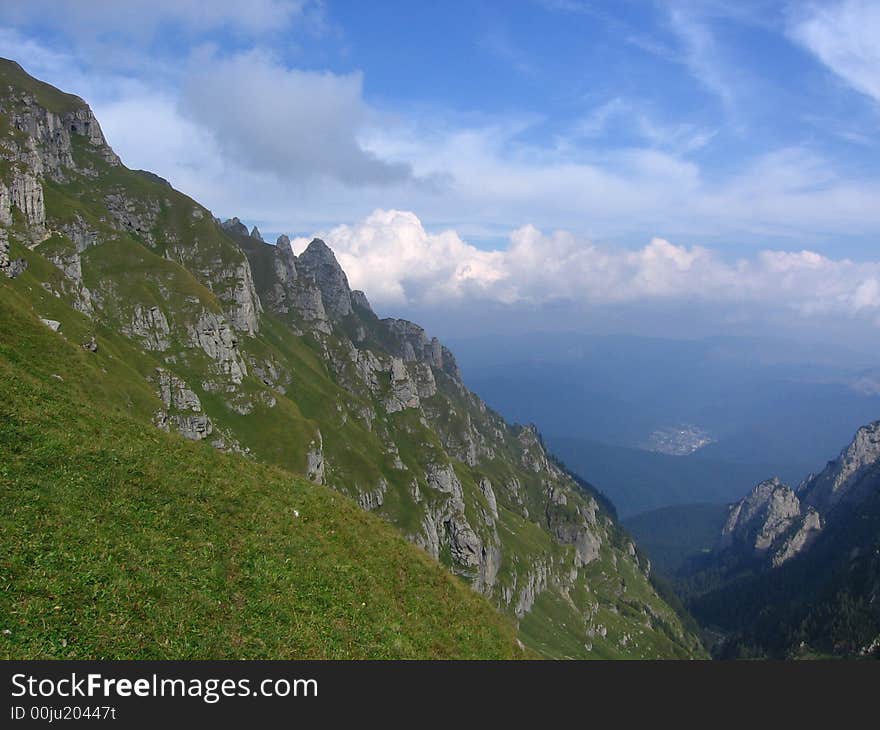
pixel 466 138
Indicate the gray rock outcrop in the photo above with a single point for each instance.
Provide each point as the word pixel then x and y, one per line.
pixel 181 408
pixel 315 459
pixel 839 481
pixel 762 517
pixel 318 264
pixel 212 333
pixel 359 299
pixel 9 266
pixel 149 325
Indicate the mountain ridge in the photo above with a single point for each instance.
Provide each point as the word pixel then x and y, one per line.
pixel 244 347
pixel 795 571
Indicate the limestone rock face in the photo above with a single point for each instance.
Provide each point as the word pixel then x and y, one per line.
pixel 577 529
pixel 839 481
pixel 534 584
pixel 234 225
pixel 489 494
pixel 194 428
pixel 318 264
pixel 309 304
pixel 404 393
pixel 808 529
pixel 149 325
pixel 280 296
pixel 446 526
pixel 8 266
pixel 52 132
pixel 762 517
pixel 39 147
pixel 315 460
pixel 181 409
pixel 374 498
pixel 412 344
pixel 777 523
pixel 137 216
pixel 26 194
pixel 174 392
pixel 69 262
pixel 770 523
pixel 359 299
pixel 292 292
pixel 215 337
pixel 243 305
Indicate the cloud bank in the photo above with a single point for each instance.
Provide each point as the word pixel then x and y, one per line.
pixel 397 262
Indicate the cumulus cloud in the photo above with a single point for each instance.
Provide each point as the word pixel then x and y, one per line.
pixel 844 36
pixel 295 123
pixel 396 261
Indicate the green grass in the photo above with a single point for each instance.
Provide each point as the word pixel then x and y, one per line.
pixel 13 75
pixel 120 541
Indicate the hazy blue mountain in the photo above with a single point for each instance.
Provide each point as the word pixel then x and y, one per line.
pixel 672 535
pixel 637 481
pixel 768 407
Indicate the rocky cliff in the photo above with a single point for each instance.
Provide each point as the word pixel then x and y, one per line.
pixel 248 348
pixel 796 571
pixel 770 523
pixel 779 522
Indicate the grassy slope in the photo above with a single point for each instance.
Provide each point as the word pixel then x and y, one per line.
pixel 117 540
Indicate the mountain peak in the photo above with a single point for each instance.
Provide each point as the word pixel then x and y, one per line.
pixel 762 517
pixel 839 478
pixel 234 225
pixel 318 263
pixel 319 250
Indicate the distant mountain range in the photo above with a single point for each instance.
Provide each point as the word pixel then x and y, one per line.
pixel 638 481
pixel 764 408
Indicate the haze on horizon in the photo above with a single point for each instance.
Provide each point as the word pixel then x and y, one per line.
pixel 669 168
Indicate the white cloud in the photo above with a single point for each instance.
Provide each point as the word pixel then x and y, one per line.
pixel 392 257
pixel 701 54
pixel 295 151
pixel 845 36
pixel 294 123
pixel 396 261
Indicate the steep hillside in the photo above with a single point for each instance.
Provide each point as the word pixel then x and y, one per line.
pixel 796 572
pixel 122 541
pixel 218 337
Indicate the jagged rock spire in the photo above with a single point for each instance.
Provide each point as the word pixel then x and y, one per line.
pixel 360 299
pixel 234 225
pixel 255 233
pixel 319 264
